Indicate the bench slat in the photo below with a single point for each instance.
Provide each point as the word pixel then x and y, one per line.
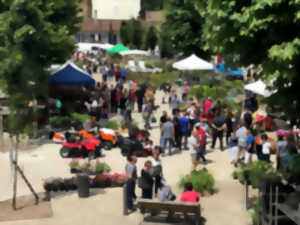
pixel 169 206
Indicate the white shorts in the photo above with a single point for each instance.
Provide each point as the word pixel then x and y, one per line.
pixel 248 157
pixel 234 152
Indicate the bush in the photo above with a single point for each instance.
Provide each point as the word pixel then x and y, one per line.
pixel 256 171
pixel 112 124
pixel 79 117
pixel 255 215
pixel 202 181
pixel 60 121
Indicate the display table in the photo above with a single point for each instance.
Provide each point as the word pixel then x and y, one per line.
pixel 293 214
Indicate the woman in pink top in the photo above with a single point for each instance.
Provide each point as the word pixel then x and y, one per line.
pixel 189 195
pixel 207 105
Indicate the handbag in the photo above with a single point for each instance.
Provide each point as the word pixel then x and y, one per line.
pixel 153 120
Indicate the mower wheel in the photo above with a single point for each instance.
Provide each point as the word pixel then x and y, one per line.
pixel 91 155
pixel 107 145
pixel 64 152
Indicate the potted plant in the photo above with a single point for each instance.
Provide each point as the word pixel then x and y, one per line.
pixel 202 180
pixel 74 165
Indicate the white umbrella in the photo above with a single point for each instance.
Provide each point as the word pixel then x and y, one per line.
pixel 258 87
pixel 193 62
pixel 134 52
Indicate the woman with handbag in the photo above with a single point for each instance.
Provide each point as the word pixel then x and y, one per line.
pixel 146 181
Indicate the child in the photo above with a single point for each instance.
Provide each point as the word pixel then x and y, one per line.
pixel 266 148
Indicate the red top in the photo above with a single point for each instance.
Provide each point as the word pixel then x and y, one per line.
pixel 190 196
pixel 201 136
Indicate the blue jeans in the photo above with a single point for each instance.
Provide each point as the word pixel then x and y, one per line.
pixel 165 140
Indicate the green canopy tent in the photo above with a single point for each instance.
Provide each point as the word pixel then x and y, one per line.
pixel 117 49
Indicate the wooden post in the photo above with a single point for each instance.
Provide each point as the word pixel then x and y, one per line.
pixel 246 192
pixel 1 131
pixel 125 210
pixel 27 182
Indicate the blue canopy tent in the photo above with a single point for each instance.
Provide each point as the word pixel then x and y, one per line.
pixel 221 68
pixel 71 75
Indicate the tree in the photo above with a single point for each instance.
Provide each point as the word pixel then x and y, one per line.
pixel 137 33
pixel 165 45
pixel 151 38
pixel 251 33
pixel 183 23
pixel 111 35
pixel 152 4
pixel 125 33
pixel 33 35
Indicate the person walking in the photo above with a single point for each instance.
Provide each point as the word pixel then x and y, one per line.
pixel 193 146
pixel 229 126
pixel 146 183
pixel 156 171
pixel 266 148
pixel 250 146
pixel 201 139
pixel 148 112
pixel 168 135
pixel 140 97
pixel 241 135
pixel 184 130
pixel 234 149
pixel 177 129
pixel 175 104
pixel 131 174
pixel 185 91
pixel 218 126
pixel 281 151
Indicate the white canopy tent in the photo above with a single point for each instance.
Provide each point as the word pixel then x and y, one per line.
pixel 258 87
pixel 134 52
pixel 88 47
pixel 193 62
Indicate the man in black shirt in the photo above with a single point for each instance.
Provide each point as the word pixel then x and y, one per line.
pixel 163 118
pixel 218 126
pixel 140 96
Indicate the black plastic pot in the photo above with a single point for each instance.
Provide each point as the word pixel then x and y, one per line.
pixel 83 186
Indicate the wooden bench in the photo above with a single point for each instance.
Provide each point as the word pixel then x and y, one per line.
pixel 170 207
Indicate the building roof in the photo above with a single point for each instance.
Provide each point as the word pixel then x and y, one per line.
pixel 154 16
pixel 94 25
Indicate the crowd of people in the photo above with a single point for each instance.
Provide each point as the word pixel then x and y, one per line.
pixel 184 128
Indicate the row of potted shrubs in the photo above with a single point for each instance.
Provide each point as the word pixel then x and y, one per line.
pixel 70 184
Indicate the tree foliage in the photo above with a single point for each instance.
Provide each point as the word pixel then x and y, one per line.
pixel 137 33
pixel 111 35
pixel 151 38
pixel 152 4
pixel 165 45
pixel 33 36
pixel 125 33
pixel 263 33
pixel 132 33
pixel 183 24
